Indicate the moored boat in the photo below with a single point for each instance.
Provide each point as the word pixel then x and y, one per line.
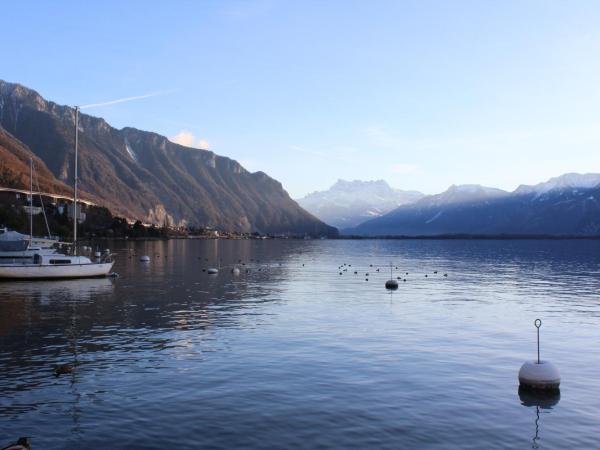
pixel 57 266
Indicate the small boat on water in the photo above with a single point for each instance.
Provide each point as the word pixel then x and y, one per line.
pixel 55 265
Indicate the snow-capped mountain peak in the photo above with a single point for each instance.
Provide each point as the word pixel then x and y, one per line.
pixel 461 193
pixel 348 203
pixel 568 181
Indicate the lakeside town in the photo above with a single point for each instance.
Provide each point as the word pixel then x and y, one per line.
pixel 54 213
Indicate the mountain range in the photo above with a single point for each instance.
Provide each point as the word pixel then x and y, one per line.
pixel 348 203
pixel 140 174
pixel 143 175
pixel 565 205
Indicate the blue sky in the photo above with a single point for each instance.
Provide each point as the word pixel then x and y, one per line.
pixel 422 93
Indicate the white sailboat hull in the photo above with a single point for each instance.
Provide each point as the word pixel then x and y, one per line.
pixel 35 271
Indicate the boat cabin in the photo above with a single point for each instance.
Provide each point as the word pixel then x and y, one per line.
pixel 57 259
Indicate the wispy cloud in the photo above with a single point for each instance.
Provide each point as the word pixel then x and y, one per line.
pixel 307 151
pixel 335 154
pixel 127 99
pixel 187 139
pixel 404 169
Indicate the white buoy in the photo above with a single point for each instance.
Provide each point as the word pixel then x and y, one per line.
pixel 391 284
pixel 235 271
pixel 145 258
pixel 539 374
pixel 212 271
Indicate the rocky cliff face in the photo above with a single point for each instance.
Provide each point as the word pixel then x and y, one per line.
pixel 145 176
pixel 14 168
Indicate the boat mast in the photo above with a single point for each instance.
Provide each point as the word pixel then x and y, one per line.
pixel 30 200
pixel 75 183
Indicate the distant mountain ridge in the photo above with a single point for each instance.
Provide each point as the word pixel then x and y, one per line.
pixel 348 203
pixel 564 205
pixel 145 176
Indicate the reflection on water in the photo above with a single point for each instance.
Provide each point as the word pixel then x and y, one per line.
pixel 46 290
pixel 291 354
pixel 539 399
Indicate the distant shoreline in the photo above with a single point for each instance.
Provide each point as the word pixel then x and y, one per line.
pixel 442 237
pixel 487 237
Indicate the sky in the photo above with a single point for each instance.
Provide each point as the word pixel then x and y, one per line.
pixel 422 94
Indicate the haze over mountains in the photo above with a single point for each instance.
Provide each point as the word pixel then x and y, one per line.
pixel 348 203
pixel 565 205
pixel 143 175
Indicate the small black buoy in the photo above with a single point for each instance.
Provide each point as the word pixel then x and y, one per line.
pixel 392 285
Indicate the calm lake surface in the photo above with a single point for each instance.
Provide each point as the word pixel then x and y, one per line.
pixel 295 355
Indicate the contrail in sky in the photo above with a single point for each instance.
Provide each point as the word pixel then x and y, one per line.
pixel 126 99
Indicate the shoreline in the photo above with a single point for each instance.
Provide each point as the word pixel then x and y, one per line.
pixel 443 237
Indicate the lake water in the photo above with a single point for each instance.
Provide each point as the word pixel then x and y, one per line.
pixel 294 355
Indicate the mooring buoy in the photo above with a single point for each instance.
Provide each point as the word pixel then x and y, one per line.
pixel 391 284
pixel 539 374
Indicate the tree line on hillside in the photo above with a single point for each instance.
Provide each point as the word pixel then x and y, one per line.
pixel 99 222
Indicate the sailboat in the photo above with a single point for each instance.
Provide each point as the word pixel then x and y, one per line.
pixel 56 265
pixel 15 245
